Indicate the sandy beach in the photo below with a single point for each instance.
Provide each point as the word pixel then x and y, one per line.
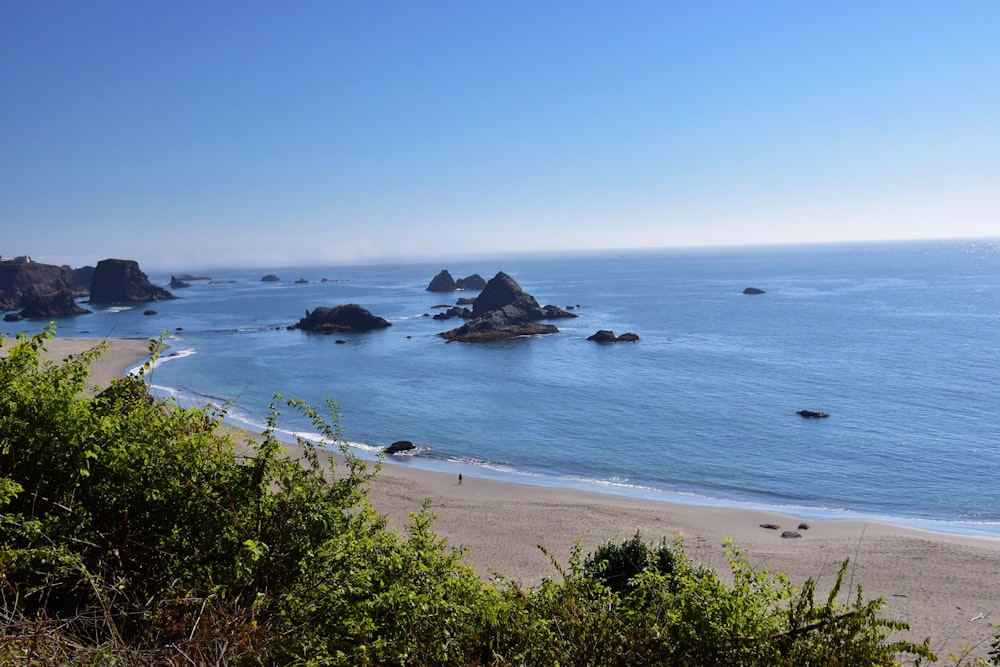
pixel 945 586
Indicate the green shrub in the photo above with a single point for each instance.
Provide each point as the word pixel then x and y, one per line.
pixel 131 532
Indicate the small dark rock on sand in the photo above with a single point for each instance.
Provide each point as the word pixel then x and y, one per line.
pixel 790 534
pixel 770 526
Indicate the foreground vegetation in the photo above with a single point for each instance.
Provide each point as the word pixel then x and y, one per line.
pixel 133 533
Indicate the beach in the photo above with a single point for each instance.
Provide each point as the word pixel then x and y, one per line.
pixel 945 586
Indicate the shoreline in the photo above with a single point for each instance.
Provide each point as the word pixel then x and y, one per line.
pixel 943 584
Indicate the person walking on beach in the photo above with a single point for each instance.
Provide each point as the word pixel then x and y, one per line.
pixel 459 478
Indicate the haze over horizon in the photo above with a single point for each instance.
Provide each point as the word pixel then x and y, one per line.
pixel 223 134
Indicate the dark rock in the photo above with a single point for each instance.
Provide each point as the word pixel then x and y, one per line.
pixel 121 281
pixel 301 281
pixel 557 313
pixel 20 282
pixel 340 341
pixel 754 290
pixel 347 317
pixel 270 278
pixel 56 304
pixel 454 311
pixel 178 283
pixel 803 526
pixel 400 446
pixel 809 414
pixel 442 282
pixel 442 305
pixel 473 282
pixel 12 317
pixel 770 526
pixel 502 310
pixel 83 277
pixel 790 534
pixel 187 277
pixel 466 301
pixel 605 336
pixel 149 312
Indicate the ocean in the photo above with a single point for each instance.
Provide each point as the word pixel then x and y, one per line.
pixel 897 342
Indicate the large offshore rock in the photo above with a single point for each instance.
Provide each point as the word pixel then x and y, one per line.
pixel 122 281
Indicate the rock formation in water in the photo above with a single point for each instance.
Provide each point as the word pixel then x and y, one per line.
pixel 269 278
pixel 348 317
pixel 474 282
pixel 505 310
pixel 443 282
pixel 400 446
pixel 754 290
pixel 178 283
pixel 121 281
pixel 605 336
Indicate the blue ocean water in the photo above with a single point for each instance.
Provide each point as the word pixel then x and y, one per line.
pixel 897 342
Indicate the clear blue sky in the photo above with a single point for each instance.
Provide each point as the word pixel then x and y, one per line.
pixel 201 134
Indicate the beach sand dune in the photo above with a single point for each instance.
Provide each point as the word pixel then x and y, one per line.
pixel 945 586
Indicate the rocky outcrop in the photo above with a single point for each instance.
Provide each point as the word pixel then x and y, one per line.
pixel 301 281
pixel 454 311
pixel 474 282
pixel 443 282
pixel 348 317
pixel 754 290
pixel 178 283
pixel 188 278
pixel 56 304
pixel 605 336
pixel 809 414
pixel 269 278
pixel 400 446
pixel 21 282
pixel 121 281
pixel 504 310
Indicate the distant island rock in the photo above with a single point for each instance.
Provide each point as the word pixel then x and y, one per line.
pixel 348 317
pixel 605 336
pixel 178 283
pixel 121 281
pixel 301 281
pixel 188 278
pixel 754 290
pixel 269 278
pixel 473 282
pixel 23 281
pixel 443 282
pixel 505 310
pixel 56 304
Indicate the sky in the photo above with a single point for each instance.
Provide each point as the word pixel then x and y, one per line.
pixel 193 135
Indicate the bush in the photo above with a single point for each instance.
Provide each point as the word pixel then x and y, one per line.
pixel 132 533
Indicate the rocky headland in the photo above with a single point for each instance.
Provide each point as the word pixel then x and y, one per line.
pixel 23 282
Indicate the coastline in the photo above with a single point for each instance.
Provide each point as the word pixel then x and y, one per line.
pixel 942 584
